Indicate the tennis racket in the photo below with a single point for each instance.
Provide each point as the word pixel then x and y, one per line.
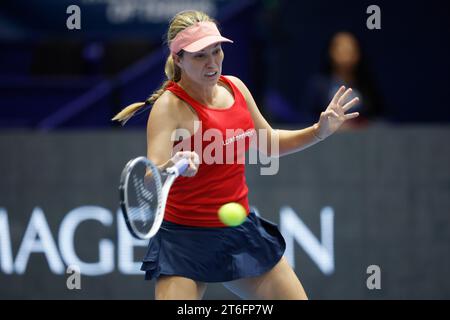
pixel 143 195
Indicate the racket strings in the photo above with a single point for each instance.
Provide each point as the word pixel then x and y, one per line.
pixel 141 196
pixel 146 196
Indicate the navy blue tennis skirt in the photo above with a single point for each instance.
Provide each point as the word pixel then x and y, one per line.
pixel 214 254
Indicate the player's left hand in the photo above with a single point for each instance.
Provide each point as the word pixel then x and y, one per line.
pixel 335 114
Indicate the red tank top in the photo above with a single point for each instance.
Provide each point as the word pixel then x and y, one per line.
pixel 220 179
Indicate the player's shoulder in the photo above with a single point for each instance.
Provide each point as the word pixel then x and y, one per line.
pixel 167 100
pixel 236 81
pixel 166 108
pixel 168 103
pixel 241 86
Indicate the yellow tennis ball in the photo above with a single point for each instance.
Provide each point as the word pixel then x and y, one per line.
pixel 232 214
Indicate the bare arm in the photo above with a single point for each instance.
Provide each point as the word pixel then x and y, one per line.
pixel 160 125
pixel 291 141
pixel 164 119
pixel 296 140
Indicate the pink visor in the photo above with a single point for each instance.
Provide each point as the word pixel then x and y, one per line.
pixel 197 37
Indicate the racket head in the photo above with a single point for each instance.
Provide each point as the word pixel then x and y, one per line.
pixel 140 197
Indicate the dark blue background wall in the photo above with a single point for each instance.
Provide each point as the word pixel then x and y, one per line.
pixel 279 46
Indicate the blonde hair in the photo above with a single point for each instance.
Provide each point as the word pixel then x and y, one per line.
pixel 179 22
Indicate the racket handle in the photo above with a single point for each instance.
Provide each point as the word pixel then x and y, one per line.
pixel 181 165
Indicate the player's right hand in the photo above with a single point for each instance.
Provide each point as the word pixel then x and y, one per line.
pixel 194 162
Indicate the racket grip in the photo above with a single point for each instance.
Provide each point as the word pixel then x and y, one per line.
pixel 182 165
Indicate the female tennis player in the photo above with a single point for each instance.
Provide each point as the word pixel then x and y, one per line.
pixel 193 247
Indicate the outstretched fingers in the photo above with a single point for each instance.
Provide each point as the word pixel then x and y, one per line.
pixel 344 96
pixel 350 104
pixel 351 115
pixel 338 95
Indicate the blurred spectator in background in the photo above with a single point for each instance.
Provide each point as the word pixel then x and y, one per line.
pixel 345 65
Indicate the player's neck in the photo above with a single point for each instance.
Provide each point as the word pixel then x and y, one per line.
pixel 204 94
